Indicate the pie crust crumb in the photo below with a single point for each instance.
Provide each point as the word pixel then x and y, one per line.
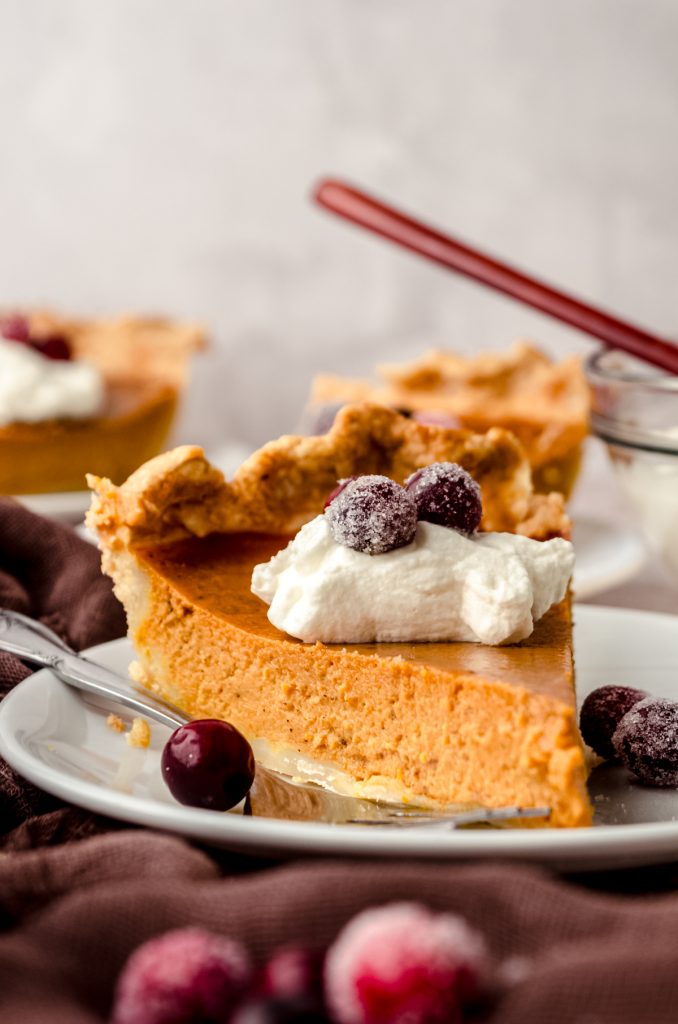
pixel 140 733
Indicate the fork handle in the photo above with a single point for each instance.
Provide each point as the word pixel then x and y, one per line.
pixel 32 641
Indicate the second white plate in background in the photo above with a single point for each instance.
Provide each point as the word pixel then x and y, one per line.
pixel 606 556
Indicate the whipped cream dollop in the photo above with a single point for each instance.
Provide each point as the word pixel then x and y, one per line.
pixel 34 388
pixel 490 588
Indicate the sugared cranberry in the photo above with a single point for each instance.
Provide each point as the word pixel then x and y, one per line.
pixel 372 514
pixel 15 328
pixel 446 494
pixel 402 963
pixel 646 741
pixel 55 346
pixel 297 1010
pixel 433 418
pixel 601 713
pixel 181 977
pixel 338 489
pixel 293 971
pixel 208 763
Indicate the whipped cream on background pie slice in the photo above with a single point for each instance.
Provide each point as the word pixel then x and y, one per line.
pixel 34 388
pixel 490 588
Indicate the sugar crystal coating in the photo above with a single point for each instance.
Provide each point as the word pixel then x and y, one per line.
pixel 338 489
pixel 447 495
pixel 601 713
pixel 403 964
pixel 181 977
pixel 646 741
pixel 372 514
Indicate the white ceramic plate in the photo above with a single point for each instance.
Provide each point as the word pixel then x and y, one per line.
pixel 607 556
pixel 59 740
pixel 67 507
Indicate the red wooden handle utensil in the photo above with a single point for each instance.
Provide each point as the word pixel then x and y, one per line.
pixel 354 205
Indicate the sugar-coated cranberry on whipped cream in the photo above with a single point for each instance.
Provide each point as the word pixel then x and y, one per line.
pixel 35 386
pixel 490 588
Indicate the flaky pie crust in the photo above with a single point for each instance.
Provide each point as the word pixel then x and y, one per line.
pixel 127 348
pixel 285 484
pixel 520 387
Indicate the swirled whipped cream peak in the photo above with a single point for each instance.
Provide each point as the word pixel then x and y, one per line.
pixel 489 588
pixel 36 386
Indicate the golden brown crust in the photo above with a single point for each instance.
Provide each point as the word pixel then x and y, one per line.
pixel 285 483
pixel 127 348
pixel 545 404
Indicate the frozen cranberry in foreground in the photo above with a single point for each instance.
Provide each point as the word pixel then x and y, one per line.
pixel 447 495
pixel 372 514
pixel 181 977
pixel 646 741
pixel 403 964
pixel 208 763
pixel 601 713
pixel 292 971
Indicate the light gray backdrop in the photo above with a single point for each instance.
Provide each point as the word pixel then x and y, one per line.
pixel 157 155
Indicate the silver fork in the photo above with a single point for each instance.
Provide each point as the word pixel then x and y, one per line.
pixel 273 794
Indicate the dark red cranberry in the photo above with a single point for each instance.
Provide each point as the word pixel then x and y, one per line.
pixel 446 494
pixel 372 514
pixel 55 346
pixel 338 489
pixel 15 328
pixel 293 971
pixel 646 741
pixel 601 713
pixel 208 763
pixel 299 1010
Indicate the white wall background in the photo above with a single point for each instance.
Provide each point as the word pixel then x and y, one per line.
pixel 157 155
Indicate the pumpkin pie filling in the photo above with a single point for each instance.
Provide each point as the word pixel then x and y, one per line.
pixel 440 722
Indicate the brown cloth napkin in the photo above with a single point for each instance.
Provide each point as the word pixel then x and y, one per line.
pixel 72 911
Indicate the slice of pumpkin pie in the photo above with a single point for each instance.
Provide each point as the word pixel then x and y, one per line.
pixel 205 567
pixel 78 395
pixel 544 403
